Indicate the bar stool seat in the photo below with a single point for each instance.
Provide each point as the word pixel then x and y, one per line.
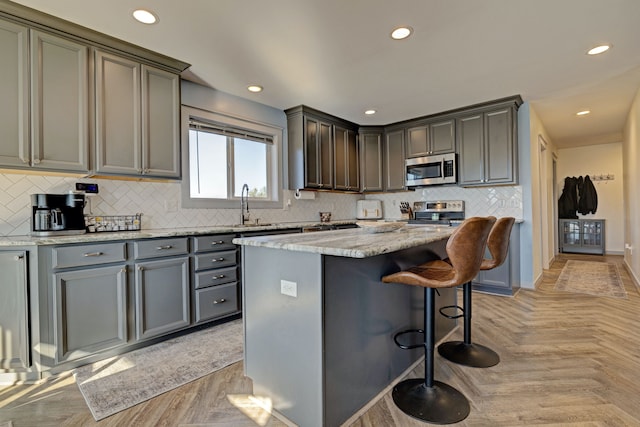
pixel 427 399
pixel 467 352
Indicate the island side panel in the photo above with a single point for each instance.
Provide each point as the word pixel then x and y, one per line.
pixel 361 316
pixel 283 334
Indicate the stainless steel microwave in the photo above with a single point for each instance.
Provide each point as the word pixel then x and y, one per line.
pixel 431 170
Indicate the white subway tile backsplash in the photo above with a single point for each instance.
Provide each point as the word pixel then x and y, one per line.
pixel 119 197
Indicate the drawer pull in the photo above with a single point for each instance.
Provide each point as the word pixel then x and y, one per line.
pixel 217 259
pixel 164 247
pixel 219 301
pixel 219 276
pixel 219 242
pixel 93 254
pixel 21 257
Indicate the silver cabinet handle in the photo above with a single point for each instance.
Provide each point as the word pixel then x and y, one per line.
pixel 219 242
pixel 140 268
pixel 217 259
pixel 219 301
pixel 18 257
pixel 93 254
pixel 220 276
pixel 164 247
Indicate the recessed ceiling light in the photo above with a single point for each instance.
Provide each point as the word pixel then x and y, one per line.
pixel 401 33
pixel 254 88
pixel 583 113
pixel 598 49
pixel 370 112
pixel 145 16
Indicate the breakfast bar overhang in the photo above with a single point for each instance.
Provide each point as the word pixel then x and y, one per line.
pixel 319 323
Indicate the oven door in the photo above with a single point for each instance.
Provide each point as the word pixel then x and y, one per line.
pixel 431 170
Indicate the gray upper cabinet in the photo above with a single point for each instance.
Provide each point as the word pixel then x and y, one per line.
pixel 394 160
pixel 322 151
pixel 137 128
pixel 431 138
pixel 44 120
pixel 14 338
pixel 14 102
pixel 487 144
pixel 59 103
pixel 346 163
pixel 371 159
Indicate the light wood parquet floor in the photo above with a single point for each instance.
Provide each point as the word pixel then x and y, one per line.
pixel 566 360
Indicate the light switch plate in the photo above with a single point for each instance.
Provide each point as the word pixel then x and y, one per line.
pixel 289 288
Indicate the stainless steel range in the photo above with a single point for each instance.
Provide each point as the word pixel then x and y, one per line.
pixel 442 212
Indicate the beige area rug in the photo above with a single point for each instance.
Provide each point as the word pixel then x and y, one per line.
pixel 591 277
pixel 112 385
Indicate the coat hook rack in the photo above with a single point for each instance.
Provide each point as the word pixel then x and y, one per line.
pixel 602 177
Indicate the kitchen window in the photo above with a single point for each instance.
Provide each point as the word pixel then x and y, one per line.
pixel 221 156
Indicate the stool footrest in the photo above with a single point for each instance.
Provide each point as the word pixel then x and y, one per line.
pixel 452 316
pixel 408 331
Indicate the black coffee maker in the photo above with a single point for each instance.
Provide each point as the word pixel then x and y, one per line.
pixel 57 214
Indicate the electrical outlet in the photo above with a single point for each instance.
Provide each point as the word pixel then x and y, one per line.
pixel 289 288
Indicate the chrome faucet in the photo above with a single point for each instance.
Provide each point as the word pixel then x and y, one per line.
pixel 244 205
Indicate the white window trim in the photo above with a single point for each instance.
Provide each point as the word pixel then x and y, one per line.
pixel 275 168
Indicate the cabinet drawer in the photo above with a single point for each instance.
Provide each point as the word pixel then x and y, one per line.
pixel 80 255
pixel 215 260
pixel 159 247
pixel 219 242
pixel 216 277
pixel 216 301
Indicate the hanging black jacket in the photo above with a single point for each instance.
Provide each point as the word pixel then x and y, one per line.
pixel 568 201
pixel 588 201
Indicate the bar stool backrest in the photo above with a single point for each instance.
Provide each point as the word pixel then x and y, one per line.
pixel 498 243
pixel 466 247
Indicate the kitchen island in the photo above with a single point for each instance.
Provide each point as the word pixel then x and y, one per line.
pixel 319 323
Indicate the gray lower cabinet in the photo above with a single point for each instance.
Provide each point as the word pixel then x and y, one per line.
pixel 89 311
pixel 371 159
pixel 161 296
pixel 505 279
pixel 14 311
pixel 487 145
pixel 137 118
pixel 162 300
pixel 215 277
pixel 44 118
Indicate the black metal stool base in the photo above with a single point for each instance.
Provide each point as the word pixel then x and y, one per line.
pixel 440 404
pixel 474 355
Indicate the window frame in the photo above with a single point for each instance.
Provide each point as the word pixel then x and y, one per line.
pixel 274 163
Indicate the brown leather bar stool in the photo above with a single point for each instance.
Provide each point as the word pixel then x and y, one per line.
pixel 427 399
pixel 466 352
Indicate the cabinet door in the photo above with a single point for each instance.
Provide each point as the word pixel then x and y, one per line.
pixel 59 103
pixel 14 338
pixel 592 236
pixel 442 137
pixel 161 125
pixel 89 311
pixel 118 119
pixel 471 146
pixel 394 160
pixel 499 147
pixel 371 161
pixel 14 102
pixel 418 141
pixel 311 152
pixel 345 154
pixel 162 296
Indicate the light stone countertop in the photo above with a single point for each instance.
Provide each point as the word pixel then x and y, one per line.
pixel 352 243
pixel 8 241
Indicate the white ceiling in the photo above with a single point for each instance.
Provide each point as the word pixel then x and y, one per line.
pixel 337 56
